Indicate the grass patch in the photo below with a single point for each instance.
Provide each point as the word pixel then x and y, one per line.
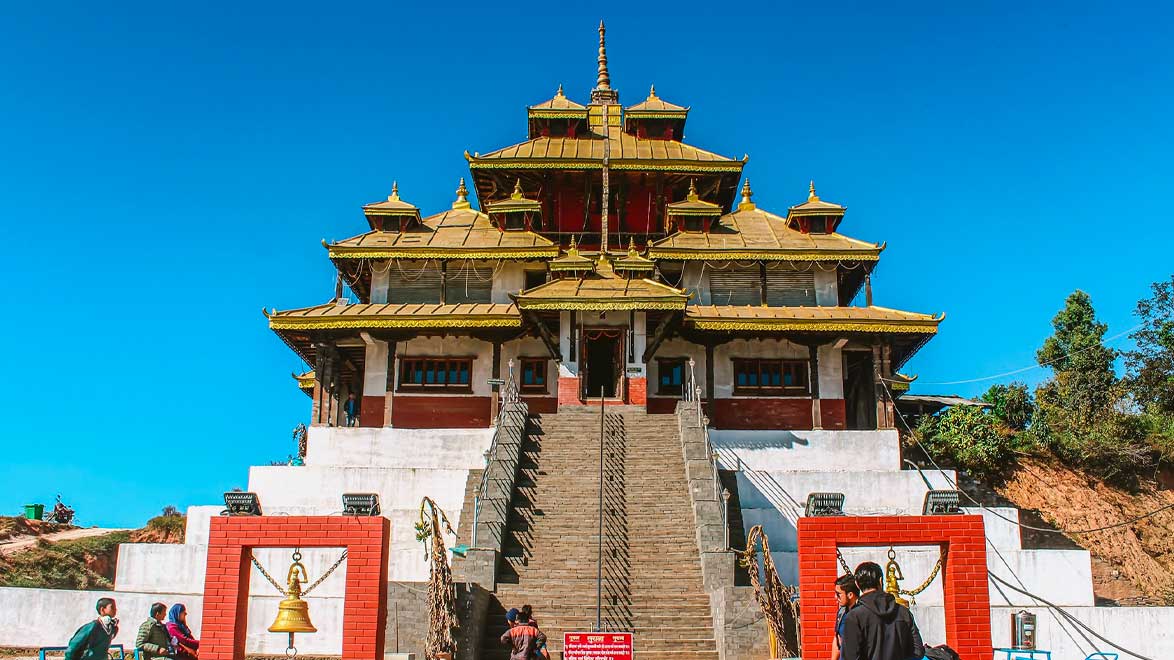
pixel 86 564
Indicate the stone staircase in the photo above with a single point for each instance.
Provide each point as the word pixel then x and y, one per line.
pixel 652 582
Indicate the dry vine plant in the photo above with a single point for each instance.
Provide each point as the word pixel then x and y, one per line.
pixel 442 598
pixel 779 602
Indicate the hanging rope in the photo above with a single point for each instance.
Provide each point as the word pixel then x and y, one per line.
pixel 779 602
pixel 442 596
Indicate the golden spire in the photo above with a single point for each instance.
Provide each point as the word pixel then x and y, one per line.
pixel 652 92
pixel 560 90
pixel 746 204
pixel 462 201
pixel 603 93
pixel 573 248
pixel 517 194
pixel 604 80
pixel 692 197
pixel 632 248
pixel 394 196
pixel 811 196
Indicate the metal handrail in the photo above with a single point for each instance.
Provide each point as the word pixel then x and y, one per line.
pixel 509 393
pixel 691 393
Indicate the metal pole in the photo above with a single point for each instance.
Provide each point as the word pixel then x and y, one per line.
pixel 599 570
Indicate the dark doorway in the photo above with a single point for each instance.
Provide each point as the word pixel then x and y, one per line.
pixel 859 391
pixel 601 352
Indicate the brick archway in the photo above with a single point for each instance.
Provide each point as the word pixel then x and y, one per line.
pixel 967 596
pixel 226 582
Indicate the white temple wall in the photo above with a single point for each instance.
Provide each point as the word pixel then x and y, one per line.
pixel 452 346
pixel 380 279
pixel 375 368
pixel 529 347
pixel 819 451
pixel 724 354
pixel 827 292
pixel 509 278
pixel 831 372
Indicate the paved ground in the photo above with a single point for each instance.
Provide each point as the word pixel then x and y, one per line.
pixel 19 543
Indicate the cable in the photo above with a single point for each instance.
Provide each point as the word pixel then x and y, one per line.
pixel 1066 615
pixel 996 514
pixel 1035 366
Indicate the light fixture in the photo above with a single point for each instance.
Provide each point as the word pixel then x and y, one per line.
pixel 942 503
pixel 360 504
pixel 237 503
pixel 824 504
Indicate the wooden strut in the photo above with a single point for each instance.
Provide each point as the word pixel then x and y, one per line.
pixel 544 333
pixel 659 335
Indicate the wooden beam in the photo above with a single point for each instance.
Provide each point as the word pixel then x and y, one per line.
pixel 667 323
pixel 544 334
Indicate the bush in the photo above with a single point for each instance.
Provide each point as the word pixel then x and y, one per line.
pixel 970 438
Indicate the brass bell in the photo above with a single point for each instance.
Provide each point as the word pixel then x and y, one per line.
pixel 892 575
pixel 293 613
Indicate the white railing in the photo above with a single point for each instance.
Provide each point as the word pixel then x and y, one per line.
pixel 691 393
pixel 508 394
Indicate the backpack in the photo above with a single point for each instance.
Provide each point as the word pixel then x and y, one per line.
pixel 942 652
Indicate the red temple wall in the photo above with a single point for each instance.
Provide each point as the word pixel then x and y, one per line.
pixel 967 596
pixel 429 412
pixel 751 413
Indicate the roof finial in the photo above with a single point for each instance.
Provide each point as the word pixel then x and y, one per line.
pixel 603 93
pixel 692 191
pixel 462 201
pixel 746 204
pixel 811 196
pixel 573 248
pixel 652 92
pixel 517 194
pixel 560 90
pixel 394 196
pixel 632 247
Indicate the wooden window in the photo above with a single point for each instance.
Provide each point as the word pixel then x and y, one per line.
pixel 534 278
pixel 755 377
pixel 670 375
pixel 427 374
pixel 533 375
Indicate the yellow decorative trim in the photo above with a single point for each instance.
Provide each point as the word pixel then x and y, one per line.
pixel 301 323
pixel 734 166
pixel 559 114
pixel 337 252
pixel 815 324
pixel 659 114
pixel 595 164
pixel 306 380
pixel 599 305
pixel 714 254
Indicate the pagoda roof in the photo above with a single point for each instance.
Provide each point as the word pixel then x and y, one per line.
pixel 815 206
pixel 373 316
pixel 558 106
pixel 515 203
pixel 586 152
pixel 632 261
pixel 693 205
pixel 751 233
pixel 655 107
pixel 811 319
pixel 305 381
pixel 572 260
pixel 459 233
pixel 602 291
pixel 392 206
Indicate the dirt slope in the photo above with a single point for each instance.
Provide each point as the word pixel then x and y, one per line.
pixel 1140 555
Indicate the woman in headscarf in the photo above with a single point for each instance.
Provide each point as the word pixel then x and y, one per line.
pixel 177 625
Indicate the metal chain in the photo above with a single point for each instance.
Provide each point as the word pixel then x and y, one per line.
pixel 843 564
pixel 307 590
pixel 264 572
pixel 937 567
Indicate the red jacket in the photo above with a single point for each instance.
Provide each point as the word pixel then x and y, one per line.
pixel 523 639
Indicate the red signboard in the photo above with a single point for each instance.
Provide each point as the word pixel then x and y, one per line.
pixel 597 646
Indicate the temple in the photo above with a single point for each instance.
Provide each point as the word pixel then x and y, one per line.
pixel 605 258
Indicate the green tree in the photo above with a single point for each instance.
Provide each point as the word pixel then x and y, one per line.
pixel 970 438
pixel 1150 366
pixel 1010 404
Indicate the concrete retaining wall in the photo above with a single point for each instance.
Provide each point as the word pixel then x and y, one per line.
pixel 820 451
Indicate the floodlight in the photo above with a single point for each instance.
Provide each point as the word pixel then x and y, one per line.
pixel 360 504
pixel 942 503
pixel 824 504
pixel 237 503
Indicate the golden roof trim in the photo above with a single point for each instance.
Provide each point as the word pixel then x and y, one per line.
pixel 596 164
pixel 344 252
pixel 581 304
pixel 358 322
pixel 306 380
pixel 713 254
pixel 817 325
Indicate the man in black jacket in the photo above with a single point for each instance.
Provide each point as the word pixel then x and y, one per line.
pixel 878 628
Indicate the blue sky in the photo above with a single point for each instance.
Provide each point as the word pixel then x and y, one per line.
pixel 166 171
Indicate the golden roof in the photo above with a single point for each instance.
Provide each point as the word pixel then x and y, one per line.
pixel 572 260
pixel 632 261
pixel 811 319
pixel 459 233
pixel 815 206
pixel 558 107
pixel 693 205
pixel 393 206
pixel 627 152
pixel 751 233
pixel 656 108
pixel 601 291
pixel 515 203
pixel 332 316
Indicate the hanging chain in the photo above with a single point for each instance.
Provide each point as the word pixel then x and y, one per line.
pixel 937 567
pixel 297 557
pixel 843 564
pixel 307 590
